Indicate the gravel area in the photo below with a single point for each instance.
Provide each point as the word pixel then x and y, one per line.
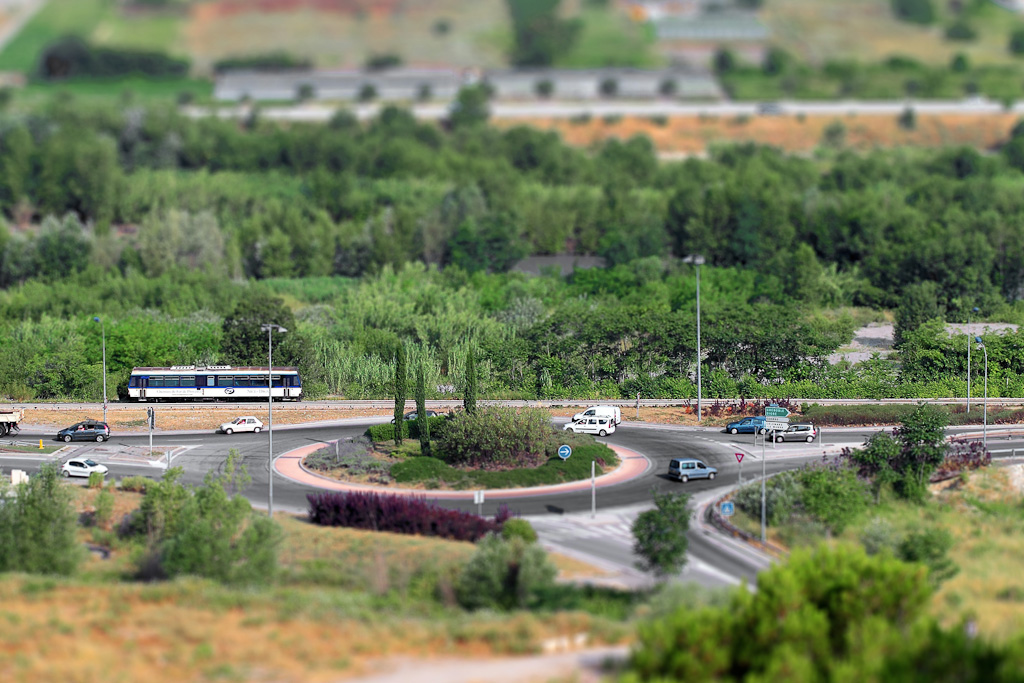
pixel 878 338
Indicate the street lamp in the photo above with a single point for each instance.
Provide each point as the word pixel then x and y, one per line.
pixel 697 260
pixel 269 329
pixel 984 437
pixel 975 310
pixel 103 331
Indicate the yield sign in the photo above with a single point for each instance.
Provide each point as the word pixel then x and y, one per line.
pixel 739 457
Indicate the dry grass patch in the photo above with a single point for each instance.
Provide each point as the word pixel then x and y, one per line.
pixel 692 135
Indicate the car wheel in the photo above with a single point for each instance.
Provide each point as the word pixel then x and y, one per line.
pixel 778 439
pixel 762 431
pixel 810 439
pixel 67 438
pixel 100 438
pixel 684 479
pixel 66 474
pixel 602 433
pixel 229 431
pixel 711 475
pixel 734 431
pixel 256 430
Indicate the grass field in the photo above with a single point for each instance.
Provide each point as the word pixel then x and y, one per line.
pixel 610 38
pixel 818 30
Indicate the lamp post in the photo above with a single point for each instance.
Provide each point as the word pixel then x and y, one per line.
pixel 697 260
pixel 103 331
pixel 984 437
pixel 269 329
pixel 975 310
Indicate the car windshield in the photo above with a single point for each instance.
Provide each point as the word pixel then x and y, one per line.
pixel 91 463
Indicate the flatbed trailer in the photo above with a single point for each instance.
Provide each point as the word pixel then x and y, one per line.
pixel 9 421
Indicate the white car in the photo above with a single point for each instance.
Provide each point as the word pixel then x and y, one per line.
pixel 81 467
pixel 242 424
pixel 602 426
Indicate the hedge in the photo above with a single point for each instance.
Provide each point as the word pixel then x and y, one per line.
pixel 400 515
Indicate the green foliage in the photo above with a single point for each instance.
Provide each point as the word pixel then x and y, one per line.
pixel 469 400
pixel 961 30
pixel 401 377
pixel 495 437
pixel 380 433
pixel 659 535
pixel 919 304
pixel 160 511
pixel 72 57
pixel 783 496
pixel 470 107
pixel 518 528
pixel 135 484
pixel 104 505
pixel 914 11
pixel 540 33
pixel 826 614
pixel 38 526
pixel 907 119
pixel 1016 45
pixel 922 436
pixel 832 494
pixel 505 574
pixel 930 547
pixel 217 535
pixel 96 480
pixel 422 421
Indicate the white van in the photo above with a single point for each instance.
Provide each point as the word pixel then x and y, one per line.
pixel 612 412
pixel 601 426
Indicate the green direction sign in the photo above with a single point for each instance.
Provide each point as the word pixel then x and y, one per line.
pixel 775 411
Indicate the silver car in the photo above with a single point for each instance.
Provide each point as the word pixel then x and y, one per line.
pixel 797 432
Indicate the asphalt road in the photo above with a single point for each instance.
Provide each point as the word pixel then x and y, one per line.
pixel 563 519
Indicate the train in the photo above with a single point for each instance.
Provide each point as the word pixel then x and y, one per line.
pixel 213 382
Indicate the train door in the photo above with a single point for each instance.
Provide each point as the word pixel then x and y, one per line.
pixel 143 385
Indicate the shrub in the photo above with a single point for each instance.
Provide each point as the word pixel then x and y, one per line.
pixel 383 61
pixel 519 528
pixel 908 119
pixel 609 87
pixel 782 496
pixel 135 484
pixel 495 438
pixel 505 574
pixel 832 493
pixel 38 527
pixel 659 535
pixel 397 514
pixel 272 61
pixel 961 30
pixel 914 11
pixel 962 457
pixel 419 469
pixel 104 505
pixel 367 92
pixel 544 88
pixel 342 454
pixel 930 547
pixel 96 480
pixel 410 429
pixel 1016 45
pixel 72 57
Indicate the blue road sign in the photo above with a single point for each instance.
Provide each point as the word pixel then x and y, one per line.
pixel 564 452
pixel 728 509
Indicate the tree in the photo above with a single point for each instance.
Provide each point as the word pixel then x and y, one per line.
pixel 38 527
pixel 914 11
pixel 470 107
pixel 724 61
pixel 660 535
pixel 469 402
pixel 245 343
pixel 421 410
pixel 922 436
pixel 540 34
pixel 400 391
pixel 1016 45
pixel 919 304
pixel 907 119
pixel 505 574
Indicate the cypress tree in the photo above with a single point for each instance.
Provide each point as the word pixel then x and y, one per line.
pixel 400 373
pixel 421 410
pixel 469 402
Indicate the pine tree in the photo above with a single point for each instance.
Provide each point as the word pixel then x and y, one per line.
pixel 400 373
pixel 469 402
pixel 421 410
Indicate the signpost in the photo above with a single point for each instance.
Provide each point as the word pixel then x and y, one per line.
pixel 593 490
pixel 739 459
pixel 727 509
pixel 775 411
pixel 564 452
pixel 478 498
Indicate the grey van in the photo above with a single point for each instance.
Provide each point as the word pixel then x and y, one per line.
pixel 685 469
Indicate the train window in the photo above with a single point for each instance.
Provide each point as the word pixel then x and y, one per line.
pixel 170 381
pixel 189 381
pixel 210 380
pixel 156 381
pixel 132 381
pixel 258 381
pixel 242 381
pixel 223 381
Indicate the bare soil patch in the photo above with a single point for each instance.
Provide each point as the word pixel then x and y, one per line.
pixel 692 135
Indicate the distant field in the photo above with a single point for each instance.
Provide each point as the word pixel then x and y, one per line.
pixel 689 135
pixel 866 30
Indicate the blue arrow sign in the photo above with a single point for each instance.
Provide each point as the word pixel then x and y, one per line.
pixel 728 509
pixel 564 452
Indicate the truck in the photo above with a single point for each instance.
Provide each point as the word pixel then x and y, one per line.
pixel 9 421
